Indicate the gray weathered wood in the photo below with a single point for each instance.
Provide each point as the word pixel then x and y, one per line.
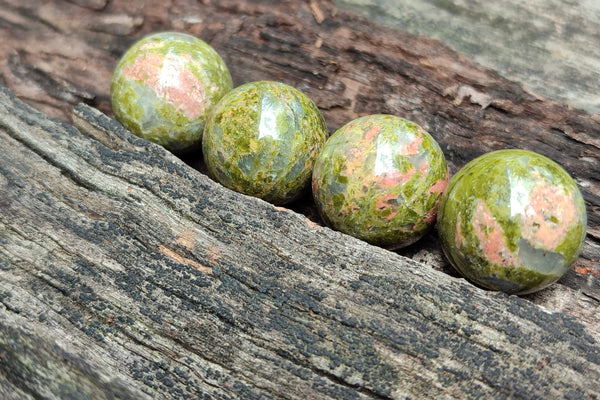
pixel 552 47
pixel 124 273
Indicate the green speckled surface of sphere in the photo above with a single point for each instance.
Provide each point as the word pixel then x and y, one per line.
pixel 512 220
pixel 379 178
pixel 165 85
pixel 262 139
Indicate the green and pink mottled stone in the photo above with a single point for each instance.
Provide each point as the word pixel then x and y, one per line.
pixel 165 85
pixel 379 178
pixel 262 139
pixel 512 220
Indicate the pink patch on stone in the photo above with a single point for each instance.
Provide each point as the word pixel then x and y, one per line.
pixel 371 134
pixel 145 69
pixel 491 237
pixel 439 187
pixel 394 177
pixel 171 80
pixel 412 148
pixel 353 161
pixel 548 216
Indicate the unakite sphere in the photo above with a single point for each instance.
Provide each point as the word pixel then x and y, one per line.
pixel 379 178
pixel 165 85
pixel 262 139
pixel 512 220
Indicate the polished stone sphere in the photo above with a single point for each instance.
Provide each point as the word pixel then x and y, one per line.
pixel 165 85
pixel 379 178
pixel 262 139
pixel 512 220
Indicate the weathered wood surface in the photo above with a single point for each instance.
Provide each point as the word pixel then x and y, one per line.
pixel 549 46
pixel 56 54
pixel 124 273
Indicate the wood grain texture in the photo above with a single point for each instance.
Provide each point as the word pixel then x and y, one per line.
pixel 549 46
pixel 125 273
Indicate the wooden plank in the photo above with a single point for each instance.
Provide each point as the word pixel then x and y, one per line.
pixel 125 273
